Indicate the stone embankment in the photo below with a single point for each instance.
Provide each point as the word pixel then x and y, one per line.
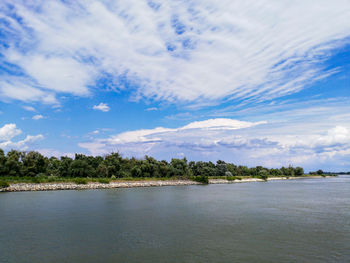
pixel 126 184
pixel 72 186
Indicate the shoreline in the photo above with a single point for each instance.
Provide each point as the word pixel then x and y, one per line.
pixel 23 187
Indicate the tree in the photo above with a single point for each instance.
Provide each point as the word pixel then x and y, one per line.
pixel 33 163
pixel 13 164
pixel 299 171
pixel 319 172
pixel 64 166
pixel 221 168
pixel 53 167
pixel 263 174
pixel 80 168
pixel 3 168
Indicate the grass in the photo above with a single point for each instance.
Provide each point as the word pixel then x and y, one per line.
pixel 4 184
pixel 80 181
pixel 103 181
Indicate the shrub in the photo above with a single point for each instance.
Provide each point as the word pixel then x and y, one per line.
pixel 231 178
pixel 103 181
pixel 4 184
pixel 35 180
pixel 113 177
pixel 263 177
pixel 201 179
pixel 319 172
pixel 52 178
pixel 80 181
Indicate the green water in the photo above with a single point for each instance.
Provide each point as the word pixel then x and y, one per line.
pixel 305 220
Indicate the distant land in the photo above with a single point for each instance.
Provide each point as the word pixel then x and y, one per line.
pixel 32 167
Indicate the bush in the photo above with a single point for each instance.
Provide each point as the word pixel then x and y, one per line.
pixel 52 178
pixel 263 177
pixel 113 177
pixel 103 181
pixel 231 178
pixel 319 172
pixel 35 180
pixel 80 181
pixel 201 179
pixel 4 184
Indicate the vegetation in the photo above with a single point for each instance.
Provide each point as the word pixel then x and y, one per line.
pixel 17 166
pixel 201 179
pixel 80 181
pixel 103 181
pixel 4 184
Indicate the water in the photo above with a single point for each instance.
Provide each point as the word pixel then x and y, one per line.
pixel 305 220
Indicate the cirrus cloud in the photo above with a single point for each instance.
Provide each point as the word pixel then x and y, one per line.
pixel 182 51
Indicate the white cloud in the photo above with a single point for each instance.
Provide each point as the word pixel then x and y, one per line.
pixel 324 143
pixel 152 109
pixel 188 51
pixel 37 117
pixel 29 108
pixel 22 89
pixel 9 131
pixel 55 153
pixel 165 135
pixel 22 144
pixel 221 124
pixel 102 107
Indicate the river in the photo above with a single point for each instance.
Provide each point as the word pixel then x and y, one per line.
pixel 304 220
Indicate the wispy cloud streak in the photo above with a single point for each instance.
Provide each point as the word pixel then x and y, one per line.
pixel 182 51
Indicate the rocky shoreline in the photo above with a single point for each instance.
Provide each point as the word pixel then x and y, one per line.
pixel 20 187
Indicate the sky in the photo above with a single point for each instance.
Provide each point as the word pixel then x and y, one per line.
pixel 250 82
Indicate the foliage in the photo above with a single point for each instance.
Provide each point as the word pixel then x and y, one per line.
pixel 201 179
pixel 4 184
pixel 80 181
pixel 103 181
pixel 231 178
pixel 320 172
pixel 33 167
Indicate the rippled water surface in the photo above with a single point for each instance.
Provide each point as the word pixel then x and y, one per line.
pixel 305 220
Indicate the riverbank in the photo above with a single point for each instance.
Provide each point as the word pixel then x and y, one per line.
pixel 20 187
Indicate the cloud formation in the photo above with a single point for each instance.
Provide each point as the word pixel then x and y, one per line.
pixel 182 51
pixel 102 107
pixel 199 134
pixel 9 131
pixel 29 108
pixel 251 143
pixel 37 117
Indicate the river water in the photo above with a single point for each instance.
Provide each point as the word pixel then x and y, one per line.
pixel 304 220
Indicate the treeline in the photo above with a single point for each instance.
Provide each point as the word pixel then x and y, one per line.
pixel 33 164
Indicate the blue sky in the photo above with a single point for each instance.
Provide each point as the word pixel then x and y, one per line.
pixel 265 83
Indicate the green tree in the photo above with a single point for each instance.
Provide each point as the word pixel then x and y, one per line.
pixel 299 171
pixel 3 168
pixel 80 168
pixel 33 163
pixel 13 164
pixel 319 172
